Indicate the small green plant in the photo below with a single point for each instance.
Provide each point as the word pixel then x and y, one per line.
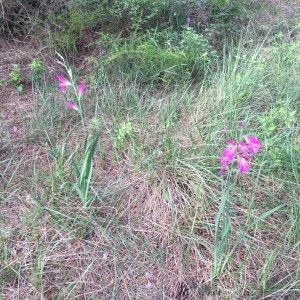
pixel 83 174
pixel 95 123
pixel 15 78
pixel 123 131
pixel 275 126
pixel 36 69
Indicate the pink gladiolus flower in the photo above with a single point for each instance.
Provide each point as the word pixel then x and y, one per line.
pixel 70 104
pixel 62 82
pixel 228 154
pixel 243 164
pixel 243 151
pixel 254 144
pixel 80 88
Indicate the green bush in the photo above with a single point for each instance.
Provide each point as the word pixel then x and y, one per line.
pixel 226 18
pixel 160 56
pixel 142 15
pixel 22 17
pixel 70 27
pixel 15 17
pixel 66 21
pixel 224 11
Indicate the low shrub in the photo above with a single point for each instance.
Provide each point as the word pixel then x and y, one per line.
pixel 159 56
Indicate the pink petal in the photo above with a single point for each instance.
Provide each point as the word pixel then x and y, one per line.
pixel 61 87
pixel 231 142
pixel 243 147
pixel 243 164
pixel 229 153
pixel 62 82
pixel 222 170
pixel 230 150
pixel 254 144
pixel 80 88
pixel 70 104
pixel 224 160
pixel 62 79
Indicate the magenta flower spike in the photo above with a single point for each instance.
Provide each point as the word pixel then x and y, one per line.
pixel 62 82
pixel 243 164
pixel 71 105
pixel 80 89
pixel 241 152
pixel 254 144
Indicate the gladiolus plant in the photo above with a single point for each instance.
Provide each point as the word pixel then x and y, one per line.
pixel 78 91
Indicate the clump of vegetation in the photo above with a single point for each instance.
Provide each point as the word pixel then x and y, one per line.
pixel 36 69
pixel 15 78
pixel 159 56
